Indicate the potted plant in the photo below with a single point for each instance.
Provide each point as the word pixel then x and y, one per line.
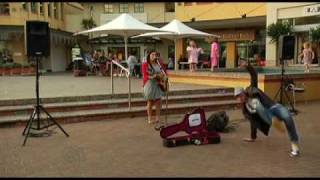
pixel 275 30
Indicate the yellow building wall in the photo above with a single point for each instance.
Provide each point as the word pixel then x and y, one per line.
pixel 18 16
pixel 231 55
pixel 219 11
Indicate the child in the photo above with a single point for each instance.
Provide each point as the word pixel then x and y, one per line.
pixel 193 54
pixel 308 56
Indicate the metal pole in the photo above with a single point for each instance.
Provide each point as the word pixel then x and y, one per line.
pixel 176 65
pixel 111 74
pixel 129 95
pixel 37 92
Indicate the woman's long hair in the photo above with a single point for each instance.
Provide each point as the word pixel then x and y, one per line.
pixel 148 56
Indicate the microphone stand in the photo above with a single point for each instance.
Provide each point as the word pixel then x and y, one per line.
pixel 167 90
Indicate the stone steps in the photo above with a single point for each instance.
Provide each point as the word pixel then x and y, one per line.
pixel 111 104
pixel 110 114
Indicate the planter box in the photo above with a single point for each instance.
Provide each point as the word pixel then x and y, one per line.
pixel 15 71
pixel 6 71
pixel 28 70
pixel 1 70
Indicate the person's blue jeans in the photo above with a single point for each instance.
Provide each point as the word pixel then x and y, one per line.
pixel 283 114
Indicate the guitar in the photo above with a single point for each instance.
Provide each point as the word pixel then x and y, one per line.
pixel 162 82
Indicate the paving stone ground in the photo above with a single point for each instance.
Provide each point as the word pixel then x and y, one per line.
pixel 132 148
pixel 65 84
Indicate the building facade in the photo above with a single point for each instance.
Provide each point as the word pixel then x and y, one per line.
pixel 303 17
pixel 13 18
pixel 155 13
pixel 240 25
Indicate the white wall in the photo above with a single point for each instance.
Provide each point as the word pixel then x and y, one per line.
pixel 58 57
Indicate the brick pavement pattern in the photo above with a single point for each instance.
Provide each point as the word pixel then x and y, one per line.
pixel 132 148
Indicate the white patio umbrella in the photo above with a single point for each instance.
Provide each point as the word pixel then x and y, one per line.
pixel 124 25
pixel 176 30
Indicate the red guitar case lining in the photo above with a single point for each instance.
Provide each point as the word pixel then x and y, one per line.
pixel 194 124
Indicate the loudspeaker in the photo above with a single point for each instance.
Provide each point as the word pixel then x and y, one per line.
pixel 287 47
pixel 38 38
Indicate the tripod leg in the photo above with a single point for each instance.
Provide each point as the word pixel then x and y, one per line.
pixel 29 127
pixel 290 103
pixel 51 118
pixel 31 117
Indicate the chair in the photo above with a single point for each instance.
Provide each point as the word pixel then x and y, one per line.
pixel 292 87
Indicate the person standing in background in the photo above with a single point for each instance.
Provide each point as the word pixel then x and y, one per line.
pixel 193 54
pixel 215 54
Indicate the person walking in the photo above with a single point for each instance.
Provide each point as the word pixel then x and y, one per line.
pixel 152 74
pixel 307 56
pixel 215 54
pixel 193 55
pixel 132 61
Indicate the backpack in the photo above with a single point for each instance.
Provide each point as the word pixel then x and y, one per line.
pixel 218 121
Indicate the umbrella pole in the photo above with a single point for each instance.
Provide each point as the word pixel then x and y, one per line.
pixel 176 65
pixel 126 46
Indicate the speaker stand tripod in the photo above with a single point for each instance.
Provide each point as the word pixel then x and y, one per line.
pixel 35 116
pixel 282 90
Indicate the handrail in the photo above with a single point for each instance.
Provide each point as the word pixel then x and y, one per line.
pixel 129 80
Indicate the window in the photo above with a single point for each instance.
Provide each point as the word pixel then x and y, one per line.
pixel 188 4
pixel 138 7
pixel 4 9
pixel 24 6
pixel 203 3
pixel 169 7
pixel 108 8
pixel 124 8
pixel 33 7
pixel 61 11
pixel 41 8
pixel 55 10
pixel 49 9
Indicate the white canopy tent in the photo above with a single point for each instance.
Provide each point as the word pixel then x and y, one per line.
pixel 124 25
pixel 176 30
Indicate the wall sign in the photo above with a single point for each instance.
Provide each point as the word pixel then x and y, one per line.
pixel 311 10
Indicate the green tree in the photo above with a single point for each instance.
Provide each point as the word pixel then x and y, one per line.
pixel 275 30
pixel 315 34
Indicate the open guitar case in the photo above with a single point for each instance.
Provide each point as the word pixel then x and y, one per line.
pixel 194 124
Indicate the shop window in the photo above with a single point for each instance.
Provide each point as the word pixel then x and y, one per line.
pixel 108 8
pixel 138 7
pixel 169 7
pixel 307 20
pixel 124 8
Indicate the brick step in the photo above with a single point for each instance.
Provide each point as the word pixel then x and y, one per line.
pixel 111 104
pixel 32 101
pixel 110 114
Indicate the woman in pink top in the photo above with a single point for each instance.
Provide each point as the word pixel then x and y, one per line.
pixel 193 54
pixel 214 55
pixel 307 55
